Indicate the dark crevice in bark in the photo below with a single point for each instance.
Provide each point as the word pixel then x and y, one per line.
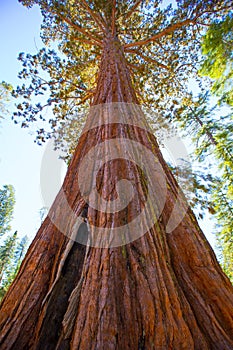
pixel 58 301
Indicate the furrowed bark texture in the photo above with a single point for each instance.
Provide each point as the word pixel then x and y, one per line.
pixel 161 291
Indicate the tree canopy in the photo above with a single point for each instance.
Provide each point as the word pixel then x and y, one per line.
pixel 161 43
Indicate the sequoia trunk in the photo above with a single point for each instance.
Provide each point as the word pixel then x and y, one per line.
pixel 163 290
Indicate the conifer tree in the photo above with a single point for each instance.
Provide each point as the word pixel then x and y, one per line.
pixel 7 202
pixel 11 255
pixel 211 128
pixel 156 284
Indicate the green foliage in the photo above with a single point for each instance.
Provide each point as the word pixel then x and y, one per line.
pixel 12 249
pixel 224 213
pixel 212 135
pixel 217 48
pixel 6 256
pixel 7 202
pixel 19 253
pixel 11 255
pixel 197 185
pixel 62 75
pixel 7 253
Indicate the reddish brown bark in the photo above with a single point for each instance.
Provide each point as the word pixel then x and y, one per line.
pixel 161 291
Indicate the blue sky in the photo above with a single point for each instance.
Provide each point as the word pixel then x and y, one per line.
pixel 20 157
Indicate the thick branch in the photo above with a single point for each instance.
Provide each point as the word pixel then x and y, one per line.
pixel 113 17
pixel 81 30
pixel 133 66
pixel 149 59
pixel 166 31
pixel 86 97
pixel 131 11
pixel 173 27
pixel 95 16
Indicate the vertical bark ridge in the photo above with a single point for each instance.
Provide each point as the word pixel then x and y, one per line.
pixel 114 82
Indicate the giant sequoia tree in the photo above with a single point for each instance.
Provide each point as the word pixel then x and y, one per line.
pixel 95 275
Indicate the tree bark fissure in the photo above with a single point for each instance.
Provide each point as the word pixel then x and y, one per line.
pixel 161 291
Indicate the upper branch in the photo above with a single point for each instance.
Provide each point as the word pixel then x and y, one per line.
pixel 133 8
pixel 81 30
pixel 149 59
pixel 164 32
pixel 113 16
pixel 95 16
pixel 195 15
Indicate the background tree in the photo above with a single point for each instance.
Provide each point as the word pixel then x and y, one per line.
pixel 7 253
pixel 11 255
pixel 218 64
pixel 12 250
pixel 161 290
pixel 212 138
pixel 210 123
pixel 7 202
pixel 5 91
